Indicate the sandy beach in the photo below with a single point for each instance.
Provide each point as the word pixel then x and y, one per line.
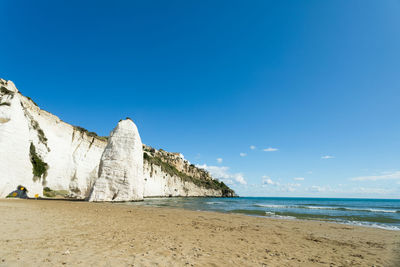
pixel 54 233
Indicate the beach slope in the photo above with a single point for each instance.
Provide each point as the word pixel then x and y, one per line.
pixel 49 233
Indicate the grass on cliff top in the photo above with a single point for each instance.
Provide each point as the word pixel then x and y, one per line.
pixel 91 134
pixel 32 101
pixel 171 170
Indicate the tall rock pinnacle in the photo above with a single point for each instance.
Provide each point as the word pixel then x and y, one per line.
pixel 121 166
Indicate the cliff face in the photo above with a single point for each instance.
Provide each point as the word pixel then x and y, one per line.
pixel 169 174
pixel 39 150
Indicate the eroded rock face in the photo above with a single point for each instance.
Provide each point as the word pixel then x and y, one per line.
pixel 72 155
pixel 15 140
pixel 121 166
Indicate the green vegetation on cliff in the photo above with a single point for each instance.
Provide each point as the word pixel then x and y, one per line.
pixel 91 134
pixel 39 167
pixel 42 137
pixel 171 170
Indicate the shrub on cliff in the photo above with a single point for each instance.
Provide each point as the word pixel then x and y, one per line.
pixel 41 135
pixel 39 167
pixel 47 192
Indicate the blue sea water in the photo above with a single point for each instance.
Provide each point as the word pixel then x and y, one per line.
pixel 380 213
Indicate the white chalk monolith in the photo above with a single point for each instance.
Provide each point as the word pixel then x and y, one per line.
pixel 121 166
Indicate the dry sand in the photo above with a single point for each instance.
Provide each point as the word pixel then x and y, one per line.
pixel 54 233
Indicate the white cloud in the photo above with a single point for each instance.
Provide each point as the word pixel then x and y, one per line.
pixel 298 178
pixel 379 191
pixel 384 176
pixel 270 149
pixel 243 154
pixel 216 171
pixel 252 147
pixel 227 181
pixel 327 157
pixel 239 178
pixel 316 188
pixel 222 173
pixel 274 186
pixel 219 160
pixel 268 181
pixel 350 191
pixel 310 172
pixel 290 187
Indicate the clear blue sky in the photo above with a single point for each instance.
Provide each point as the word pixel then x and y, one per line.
pixel 314 83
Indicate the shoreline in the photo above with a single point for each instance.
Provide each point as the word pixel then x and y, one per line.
pixel 368 221
pixel 277 217
pixel 62 232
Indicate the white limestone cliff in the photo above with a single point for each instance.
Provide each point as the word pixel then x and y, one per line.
pixel 121 166
pixel 72 155
pixel 161 184
pixel 169 174
pixel 15 136
pixel 66 157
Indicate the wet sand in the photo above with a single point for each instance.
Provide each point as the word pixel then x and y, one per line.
pixel 56 233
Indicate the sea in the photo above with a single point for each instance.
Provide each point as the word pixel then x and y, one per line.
pixel 379 213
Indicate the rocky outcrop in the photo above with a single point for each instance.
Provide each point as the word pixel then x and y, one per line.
pixel 39 150
pixel 121 166
pixel 169 174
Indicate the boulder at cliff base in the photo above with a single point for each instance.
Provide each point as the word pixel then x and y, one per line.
pixel 19 193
